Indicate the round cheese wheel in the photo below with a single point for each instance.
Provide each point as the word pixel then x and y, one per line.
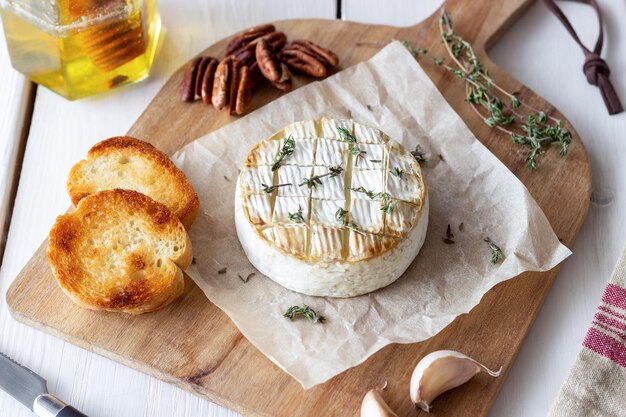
pixel 331 208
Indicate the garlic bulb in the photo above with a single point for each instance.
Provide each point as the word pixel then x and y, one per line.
pixel 373 405
pixel 441 371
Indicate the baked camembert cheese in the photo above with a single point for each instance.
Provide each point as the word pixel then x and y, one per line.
pixel 331 208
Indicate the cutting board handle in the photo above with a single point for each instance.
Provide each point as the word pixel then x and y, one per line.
pixel 500 14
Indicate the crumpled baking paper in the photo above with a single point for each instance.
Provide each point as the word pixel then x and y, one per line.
pixel 467 184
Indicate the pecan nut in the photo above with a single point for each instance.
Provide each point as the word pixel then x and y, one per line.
pixel 247 54
pixel 276 39
pixel 303 63
pixel 206 82
pixel 325 55
pixel 244 92
pixel 232 86
pixel 198 70
pixel 269 64
pixel 221 83
pixel 255 75
pixel 284 83
pixel 188 86
pixel 243 38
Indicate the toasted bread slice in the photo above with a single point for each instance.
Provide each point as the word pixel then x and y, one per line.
pixel 120 251
pixel 129 163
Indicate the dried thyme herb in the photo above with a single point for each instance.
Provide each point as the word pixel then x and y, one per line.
pixel 294 311
pixel 296 217
pixel 354 149
pixel 496 252
pixel 418 154
pixel 288 147
pixel 246 279
pixel 316 179
pixel 387 204
pixel 269 189
pixel 497 107
pixel 397 172
pixel 222 271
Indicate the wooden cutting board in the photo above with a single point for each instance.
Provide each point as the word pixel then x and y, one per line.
pixel 194 345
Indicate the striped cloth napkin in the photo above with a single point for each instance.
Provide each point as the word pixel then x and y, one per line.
pixel 596 384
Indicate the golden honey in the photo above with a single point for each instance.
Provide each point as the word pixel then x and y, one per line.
pixel 82 47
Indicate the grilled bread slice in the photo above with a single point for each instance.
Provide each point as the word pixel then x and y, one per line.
pixel 120 251
pixel 129 163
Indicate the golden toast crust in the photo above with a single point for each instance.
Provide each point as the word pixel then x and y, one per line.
pixel 120 251
pixel 82 183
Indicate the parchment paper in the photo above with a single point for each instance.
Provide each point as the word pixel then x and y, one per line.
pixel 470 185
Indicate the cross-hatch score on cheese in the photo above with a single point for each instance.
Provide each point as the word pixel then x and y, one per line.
pixel 310 168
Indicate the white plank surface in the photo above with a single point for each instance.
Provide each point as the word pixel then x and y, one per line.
pixel 61 132
pixel 14 106
pixel 540 53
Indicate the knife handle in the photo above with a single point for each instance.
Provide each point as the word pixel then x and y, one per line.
pixel 47 405
pixel 70 411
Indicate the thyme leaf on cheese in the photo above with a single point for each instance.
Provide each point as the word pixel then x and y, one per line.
pixel 247 278
pixel 311 182
pixel 305 311
pixel 341 215
pixel 288 147
pixel 354 149
pixel 316 179
pixel 418 154
pixel 397 172
pixel 296 217
pixel 345 135
pixel 369 193
pixel 270 188
pixel 496 252
pixel 386 202
pixel 222 271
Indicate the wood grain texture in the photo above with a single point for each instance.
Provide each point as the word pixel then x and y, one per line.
pixel 193 345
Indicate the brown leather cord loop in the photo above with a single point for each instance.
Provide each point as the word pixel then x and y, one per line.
pixel 595 68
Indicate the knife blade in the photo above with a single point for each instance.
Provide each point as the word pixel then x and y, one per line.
pixel 31 390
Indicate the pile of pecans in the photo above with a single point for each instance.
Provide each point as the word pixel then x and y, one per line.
pixel 253 55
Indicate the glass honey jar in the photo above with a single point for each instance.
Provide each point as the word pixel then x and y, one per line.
pixel 81 47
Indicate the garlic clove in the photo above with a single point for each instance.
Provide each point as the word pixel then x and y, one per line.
pixel 441 371
pixel 373 405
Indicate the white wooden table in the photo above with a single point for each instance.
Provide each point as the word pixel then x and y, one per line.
pixel 536 50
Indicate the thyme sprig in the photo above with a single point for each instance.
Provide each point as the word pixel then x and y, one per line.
pixel 341 215
pixel 397 172
pixel 270 188
pixel 294 311
pixel 533 129
pixel 316 179
pixel 496 252
pixel 296 217
pixel 353 148
pixel 412 49
pixel 418 154
pixel 288 147
pixel 387 204
pixel 526 125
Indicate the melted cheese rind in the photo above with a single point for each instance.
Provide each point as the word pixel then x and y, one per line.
pixel 366 249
